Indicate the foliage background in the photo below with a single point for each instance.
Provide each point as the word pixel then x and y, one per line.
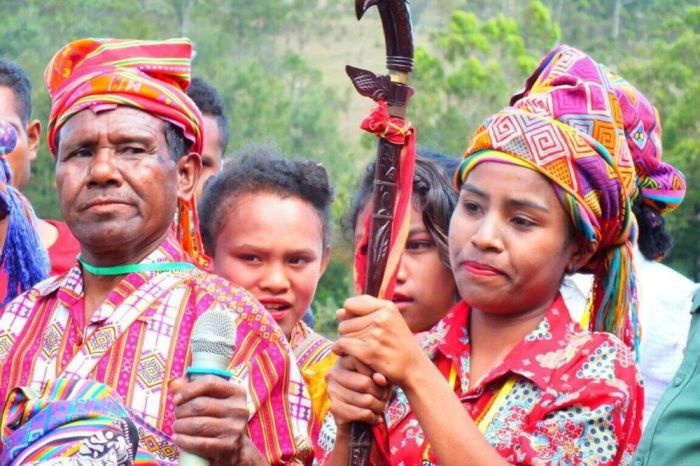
pixel 279 65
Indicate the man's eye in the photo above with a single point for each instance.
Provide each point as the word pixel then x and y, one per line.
pixel 133 150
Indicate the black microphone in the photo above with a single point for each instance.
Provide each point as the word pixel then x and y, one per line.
pixel 212 344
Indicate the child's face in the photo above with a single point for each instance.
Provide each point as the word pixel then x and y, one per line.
pixel 510 240
pixel 273 247
pixel 425 289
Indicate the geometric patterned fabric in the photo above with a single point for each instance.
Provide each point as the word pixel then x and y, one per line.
pixel 567 125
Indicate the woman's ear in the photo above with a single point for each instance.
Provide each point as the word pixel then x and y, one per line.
pixel 189 168
pixel 583 252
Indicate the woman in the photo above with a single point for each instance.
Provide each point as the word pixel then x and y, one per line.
pixel 544 192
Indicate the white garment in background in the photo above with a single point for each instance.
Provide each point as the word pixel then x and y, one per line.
pixel 664 317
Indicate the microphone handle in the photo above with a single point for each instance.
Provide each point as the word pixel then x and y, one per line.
pixel 187 458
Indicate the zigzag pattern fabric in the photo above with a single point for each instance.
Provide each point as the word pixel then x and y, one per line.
pixel 660 184
pixel 567 125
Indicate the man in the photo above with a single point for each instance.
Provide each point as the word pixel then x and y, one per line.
pixel 215 137
pixel 126 140
pixel 671 436
pixel 22 259
pixel 16 108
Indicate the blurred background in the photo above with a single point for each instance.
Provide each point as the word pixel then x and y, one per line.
pixel 279 65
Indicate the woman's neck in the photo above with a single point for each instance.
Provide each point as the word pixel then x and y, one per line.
pixel 493 336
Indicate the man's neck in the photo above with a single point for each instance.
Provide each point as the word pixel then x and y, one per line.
pixel 97 287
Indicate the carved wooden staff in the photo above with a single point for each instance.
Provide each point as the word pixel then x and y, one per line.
pixel 394 90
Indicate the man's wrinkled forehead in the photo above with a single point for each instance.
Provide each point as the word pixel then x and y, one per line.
pixel 121 122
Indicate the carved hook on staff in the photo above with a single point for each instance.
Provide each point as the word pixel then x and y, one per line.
pixel 394 169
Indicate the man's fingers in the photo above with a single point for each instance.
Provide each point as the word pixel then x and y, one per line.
pixel 212 408
pixel 208 386
pixel 204 447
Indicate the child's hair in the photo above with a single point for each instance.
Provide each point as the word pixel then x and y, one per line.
pixel 433 194
pixel 258 168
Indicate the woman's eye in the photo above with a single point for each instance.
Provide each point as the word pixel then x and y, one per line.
pixel 249 258
pixel 472 207
pixel 522 222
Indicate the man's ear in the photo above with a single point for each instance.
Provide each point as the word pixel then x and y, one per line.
pixel 33 138
pixel 189 168
pixel 582 254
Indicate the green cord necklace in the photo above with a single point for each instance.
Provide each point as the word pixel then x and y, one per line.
pixel 130 268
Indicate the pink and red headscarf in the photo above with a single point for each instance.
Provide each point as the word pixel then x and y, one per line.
pixel 153 76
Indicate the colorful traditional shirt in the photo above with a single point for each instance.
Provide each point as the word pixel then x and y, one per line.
pixel 315 359
pixel 138 340
pixel 576 397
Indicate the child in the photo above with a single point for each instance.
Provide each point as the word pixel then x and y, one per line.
pixel 265 221
pixel 544 192
pixel 425 289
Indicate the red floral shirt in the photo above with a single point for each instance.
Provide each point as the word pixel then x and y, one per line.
pixel 577 397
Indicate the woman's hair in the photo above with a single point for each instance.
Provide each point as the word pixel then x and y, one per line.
pixel 258 168
pixel 654 240
pixel 433 195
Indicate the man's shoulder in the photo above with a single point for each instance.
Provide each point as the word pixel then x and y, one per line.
pixel 211 291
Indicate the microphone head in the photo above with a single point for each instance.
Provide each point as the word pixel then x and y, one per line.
pixel 213 340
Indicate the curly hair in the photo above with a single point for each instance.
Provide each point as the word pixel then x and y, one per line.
pixel 258 168
pixel 433 195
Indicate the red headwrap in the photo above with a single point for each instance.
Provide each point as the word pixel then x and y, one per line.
pixel 153 76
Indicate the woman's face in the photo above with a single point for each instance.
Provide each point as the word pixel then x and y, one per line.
pixel 425 289
pixel 510 240
pixel 273 247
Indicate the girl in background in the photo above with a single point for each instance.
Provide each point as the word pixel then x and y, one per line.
pixel 265 221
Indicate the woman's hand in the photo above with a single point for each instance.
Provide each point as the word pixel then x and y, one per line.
pixel 374 332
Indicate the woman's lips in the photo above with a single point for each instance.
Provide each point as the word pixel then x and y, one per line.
pixel 481 270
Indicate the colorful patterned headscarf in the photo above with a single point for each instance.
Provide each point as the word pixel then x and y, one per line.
pixel 567 125
pixel 661 186
pixel 153 76
pixel 23 257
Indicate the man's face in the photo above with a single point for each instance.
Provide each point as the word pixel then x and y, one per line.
pixel 27 139
pixel 212 153
pixel 117 184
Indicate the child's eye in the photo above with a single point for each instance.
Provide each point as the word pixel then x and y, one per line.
pixel 417 245
pixel 299 260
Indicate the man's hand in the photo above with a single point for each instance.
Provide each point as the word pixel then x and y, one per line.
pixel 211 418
